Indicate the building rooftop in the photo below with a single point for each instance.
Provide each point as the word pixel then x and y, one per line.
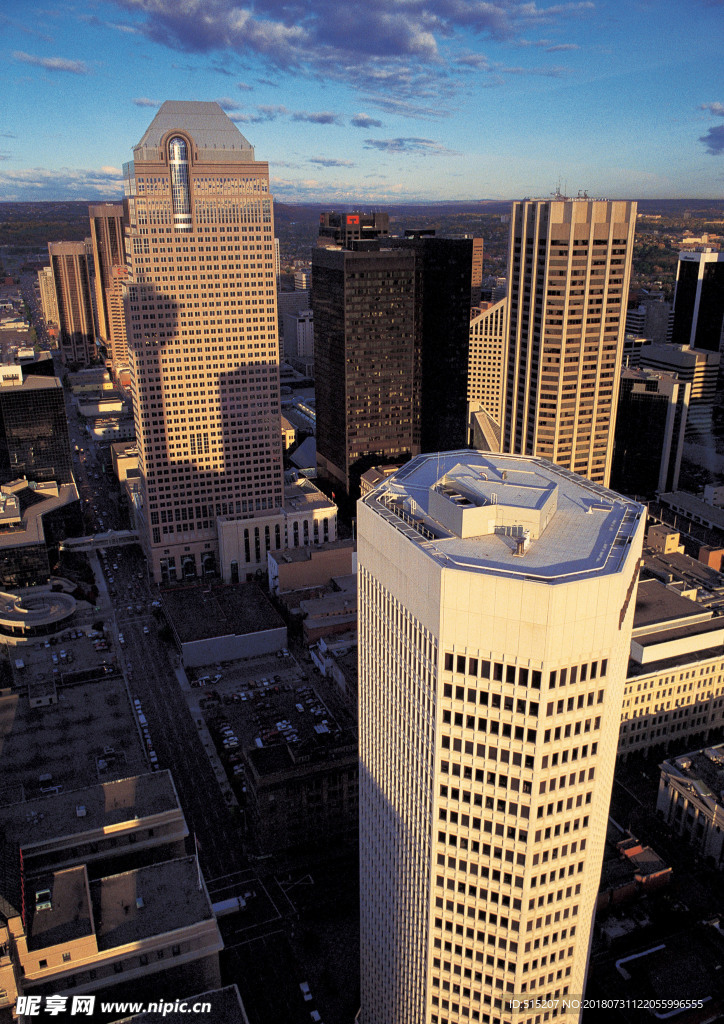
pixel 702 772
pixel 150 901
pixel 225 1005
pixel 31 530
pixel 103 805
pixel 697 507
pixel 674 566
pixel 58 907
pixel 220 611
pixel 306 554
pixel 658 605
pixel 206 123
pixel 87 718
pixel 302 494
pixel 475 511
pixel 31 383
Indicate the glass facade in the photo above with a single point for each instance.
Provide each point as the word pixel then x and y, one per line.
pixel 34 438
pixel 178 158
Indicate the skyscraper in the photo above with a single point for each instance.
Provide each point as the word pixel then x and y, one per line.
pixel 366 359
pixel 69 262
pixel 650 428
pixel 699 300
pixel 201 319
pixel 391 341
pixel 109 252
pixel 496 601
pixel 48 298
pixel 487 359
pixel 569 265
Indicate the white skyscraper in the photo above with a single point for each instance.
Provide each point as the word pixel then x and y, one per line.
pixel 496 602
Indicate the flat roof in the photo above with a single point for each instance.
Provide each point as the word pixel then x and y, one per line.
pixel 87 718
pixel 105 804
pixel 149 901
pixel 202 614
pixel 225 1005
pixel 703 770
pixel 696 506
pixel 684 567
pixel 65 914
pixel 657 604
pixel 306 554
pixel 467 509
pixel 31 530
pixel 715 625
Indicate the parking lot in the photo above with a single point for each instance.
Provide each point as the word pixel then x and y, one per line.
pixel 257 703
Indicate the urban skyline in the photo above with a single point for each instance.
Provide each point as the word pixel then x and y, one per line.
pixel 427 102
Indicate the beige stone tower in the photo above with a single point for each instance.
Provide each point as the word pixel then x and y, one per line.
pixel 201 321
pixel 496 600
pixel 569 264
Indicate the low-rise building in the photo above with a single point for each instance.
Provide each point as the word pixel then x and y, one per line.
pixel 304 796
pixel 140 815
pixel 674 689
pixel 300 568
pixel 223 623
pixel 85 935
pixel 124 458
pixel 691 800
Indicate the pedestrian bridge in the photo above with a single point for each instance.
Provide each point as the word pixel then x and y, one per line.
pixel 111 539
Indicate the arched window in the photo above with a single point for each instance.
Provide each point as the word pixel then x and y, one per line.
pixel 178 161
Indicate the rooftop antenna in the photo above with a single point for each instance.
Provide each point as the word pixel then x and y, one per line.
pixel 583 193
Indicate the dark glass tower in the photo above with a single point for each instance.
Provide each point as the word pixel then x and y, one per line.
pixel 699 300
pixel 391 341
pixel 34 438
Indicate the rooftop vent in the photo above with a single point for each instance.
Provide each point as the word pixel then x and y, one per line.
pixel 80 811
pixel 43 900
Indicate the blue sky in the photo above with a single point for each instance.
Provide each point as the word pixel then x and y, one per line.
pixel 376 100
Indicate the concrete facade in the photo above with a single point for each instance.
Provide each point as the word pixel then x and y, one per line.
pixel 496 605
pixel 569 266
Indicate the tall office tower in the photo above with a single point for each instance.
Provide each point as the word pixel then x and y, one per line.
pixel 345 228
pixel 650 317
pixel 487 359
pixel 69 262
pixel 476 280
pixel 48 298
pixel 496 601
pixel 201 319
pixel 699 300
pixel 569 264
pixel 117 339
pixel 444 269
pixel 366 356
pixel 649 438
pixel 109 251
pixel 391 340
pixel 696 367
pixel 34 440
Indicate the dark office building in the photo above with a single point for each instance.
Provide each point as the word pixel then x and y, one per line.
pixel 391 340
pixel 649 435
pixel 34 438
pixel 345 228
pixel 444 269
pixel 699 300
pixel 366 357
